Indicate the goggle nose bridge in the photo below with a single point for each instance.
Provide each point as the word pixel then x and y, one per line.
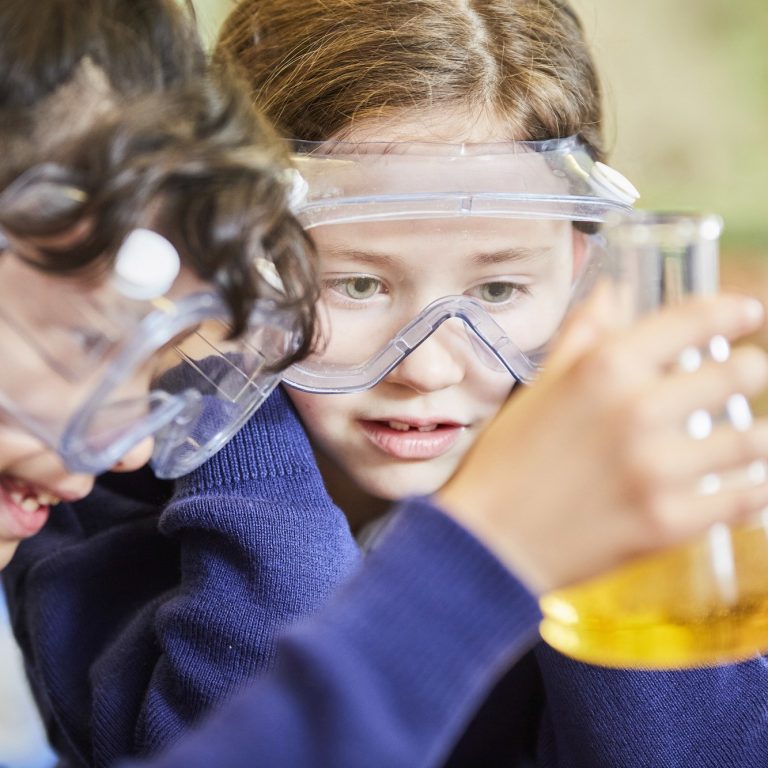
pixel 333 379
pixel 482 345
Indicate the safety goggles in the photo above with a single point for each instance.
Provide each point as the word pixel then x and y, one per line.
pixel 93 368
pixel 510 230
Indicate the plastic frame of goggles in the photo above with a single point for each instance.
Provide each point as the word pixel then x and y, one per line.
pixel 167 421
pixel 329 187
pixel 337 182
pixel 168 424
pixel 337 380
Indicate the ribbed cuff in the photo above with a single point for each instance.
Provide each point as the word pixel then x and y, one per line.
pixel 272 444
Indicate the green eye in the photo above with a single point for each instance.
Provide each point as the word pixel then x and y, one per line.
pixel 359 288
pixel 495 293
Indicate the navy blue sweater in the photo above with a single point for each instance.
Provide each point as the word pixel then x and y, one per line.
pixel 130 636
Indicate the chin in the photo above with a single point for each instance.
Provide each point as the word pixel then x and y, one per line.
pixel 395 488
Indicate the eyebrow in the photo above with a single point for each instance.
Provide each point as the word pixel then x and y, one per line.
pixel 369 257
pixel 489 258
pixel 510 254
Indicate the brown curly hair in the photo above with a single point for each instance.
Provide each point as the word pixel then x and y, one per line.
pixel 131 120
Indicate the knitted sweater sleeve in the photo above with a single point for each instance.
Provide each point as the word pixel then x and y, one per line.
pixel 261 545
pixel 600 718
pixel 388 673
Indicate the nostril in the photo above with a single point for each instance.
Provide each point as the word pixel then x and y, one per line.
pixel 137 457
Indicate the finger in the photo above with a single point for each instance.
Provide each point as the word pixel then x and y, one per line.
pixel 657 339
pixel 685 514
pixel 677 459
pixel 672 398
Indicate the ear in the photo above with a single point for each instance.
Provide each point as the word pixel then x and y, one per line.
pixel 579 248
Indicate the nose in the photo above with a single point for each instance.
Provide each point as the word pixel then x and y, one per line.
pixel 439 362
pixel 70 486
pixel 137 457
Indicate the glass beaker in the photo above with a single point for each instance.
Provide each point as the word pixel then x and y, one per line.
pixel 705 602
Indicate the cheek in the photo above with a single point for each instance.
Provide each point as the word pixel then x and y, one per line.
pixel 561 302
pixel 488 389
pixel 550 304
pixel 26 460
pixel 320 414
pixel 17 446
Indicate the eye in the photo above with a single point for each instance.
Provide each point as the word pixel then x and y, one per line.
pixel 358 287
pixel 497 292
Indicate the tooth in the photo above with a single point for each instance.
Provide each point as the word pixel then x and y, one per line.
pixel 47 500
pixel 30 505
pixel 428 428
pixel 16 497
pixel 399 425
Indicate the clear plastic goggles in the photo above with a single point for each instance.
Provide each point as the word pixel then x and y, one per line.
pixel 94 369
pixel 485 246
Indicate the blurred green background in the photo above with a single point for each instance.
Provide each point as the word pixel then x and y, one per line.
pixel 686 102
pixel 686 97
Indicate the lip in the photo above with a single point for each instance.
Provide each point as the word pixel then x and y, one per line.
pixel 413 445
pixel 21 523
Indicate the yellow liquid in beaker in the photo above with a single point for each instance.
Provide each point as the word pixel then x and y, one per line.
pixel 698 605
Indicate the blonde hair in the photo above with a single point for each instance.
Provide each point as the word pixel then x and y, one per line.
pixel 317 68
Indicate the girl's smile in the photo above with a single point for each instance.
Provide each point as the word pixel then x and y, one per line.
pixel 26 508
pixel 33 479
pixel 394 441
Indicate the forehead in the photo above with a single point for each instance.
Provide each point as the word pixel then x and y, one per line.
pixel 436 252
pixel 453 124
pixel 466 235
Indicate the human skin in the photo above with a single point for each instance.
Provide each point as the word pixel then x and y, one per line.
pixel 628 483
pixel 408 434
pixel 33 477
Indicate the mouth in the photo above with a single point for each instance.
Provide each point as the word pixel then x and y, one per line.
pixel 413 439
pixel 26 508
